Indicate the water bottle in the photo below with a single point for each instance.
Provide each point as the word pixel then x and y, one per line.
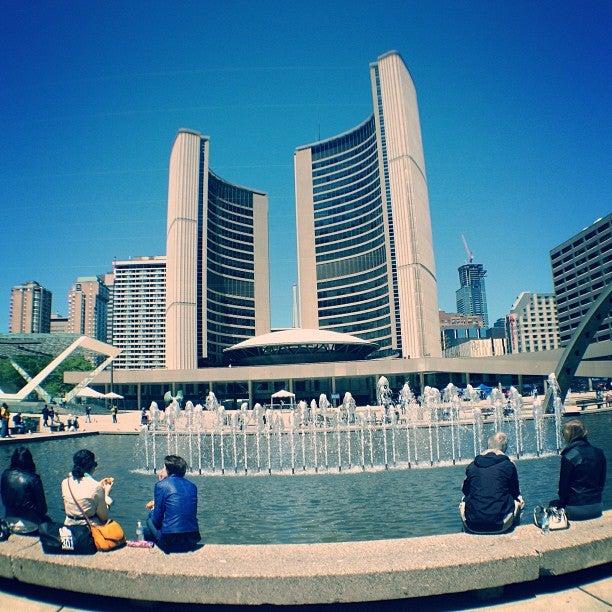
pixel 545 521
pixel 139 532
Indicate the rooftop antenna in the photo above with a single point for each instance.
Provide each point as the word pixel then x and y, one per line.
pixel 470 255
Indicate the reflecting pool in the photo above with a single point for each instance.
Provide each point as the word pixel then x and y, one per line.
pixel 302 508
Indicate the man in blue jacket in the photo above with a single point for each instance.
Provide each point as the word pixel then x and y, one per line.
pixel 173 522
pixel 492 499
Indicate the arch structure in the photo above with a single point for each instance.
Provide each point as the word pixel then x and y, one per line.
pixel 82 342
pixel 582 338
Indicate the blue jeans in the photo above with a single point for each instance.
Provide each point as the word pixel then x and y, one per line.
pixel 4 432
pixel 171 542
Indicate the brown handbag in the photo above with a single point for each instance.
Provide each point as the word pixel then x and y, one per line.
pixel 106 537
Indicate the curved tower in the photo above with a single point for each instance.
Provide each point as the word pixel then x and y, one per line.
pixel 363 225
pixel 217 283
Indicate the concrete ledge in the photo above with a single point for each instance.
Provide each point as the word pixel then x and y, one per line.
pixel 317 573
pixel 43 436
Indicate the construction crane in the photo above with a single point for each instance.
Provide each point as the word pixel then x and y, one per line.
pixel 470 255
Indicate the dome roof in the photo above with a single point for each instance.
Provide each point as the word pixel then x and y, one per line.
pixel 299 336
pixel 299 345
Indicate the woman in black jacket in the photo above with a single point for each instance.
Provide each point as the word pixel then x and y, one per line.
pixel 22 493
pixel 583 474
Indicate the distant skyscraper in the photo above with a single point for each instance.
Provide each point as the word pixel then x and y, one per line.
pixel 581 267
pixel 30 310
pixel 365 253
pixel 532 323
pixel 217 259
pixel 87 307
pixel 139 312
pixel 472 294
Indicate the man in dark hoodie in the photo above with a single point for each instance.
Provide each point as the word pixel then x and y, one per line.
pixel 491 496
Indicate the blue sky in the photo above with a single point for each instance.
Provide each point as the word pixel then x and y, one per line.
pixel 514 101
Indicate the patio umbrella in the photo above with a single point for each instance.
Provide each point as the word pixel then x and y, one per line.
pixel 89 392
pixel 113 395
pixel 282 394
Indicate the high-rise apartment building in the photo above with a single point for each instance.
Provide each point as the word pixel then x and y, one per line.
pixel 30 310
pixel 472 294
pixel 109 281
pixel 217 287
pixel 139 312
pixel 365 253
pixel 87 307
pixel 581 267
pixel 532 323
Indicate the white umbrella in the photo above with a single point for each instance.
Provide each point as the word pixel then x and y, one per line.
pixel 282 394
pixel 89 392
pixel 113 395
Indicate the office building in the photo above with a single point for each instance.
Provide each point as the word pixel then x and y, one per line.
pixel 532 323
pixel 30 310
pixel 365 254
pixel 472 294
pixel 499 329
pixel 87 307
pixel 217 259
pixel 139 312
pixel 58 324
pixel 475 348
pixel 455 328
pixel 581 267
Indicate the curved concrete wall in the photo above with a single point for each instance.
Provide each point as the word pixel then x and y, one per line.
pixel 185 185
pixel 317 573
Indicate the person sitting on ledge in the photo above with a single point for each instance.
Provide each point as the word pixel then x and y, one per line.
pixel 18 424
pixel 583 474
pixel 492 499
pixel 83 494
pixel 172 522
pixel 23 495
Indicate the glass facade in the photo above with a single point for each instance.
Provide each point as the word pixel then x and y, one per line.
pixel 230 276
pixel 349 232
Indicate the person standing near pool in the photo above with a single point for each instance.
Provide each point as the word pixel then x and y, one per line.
pixel 173 523
pixel 5 415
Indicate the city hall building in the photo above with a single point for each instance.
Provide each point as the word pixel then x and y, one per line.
pixel 365 251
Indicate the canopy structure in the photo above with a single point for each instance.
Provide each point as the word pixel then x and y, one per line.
pixel 113 395
pixel 298 345
pixel 89 392
pixel 282 395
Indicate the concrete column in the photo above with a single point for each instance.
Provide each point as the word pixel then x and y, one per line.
pixel 520 383
pixel 138 395
pixel 173 388
pixel 250 386
pixel 210 387
pixel 421 381
pixel 333 384
pixel 290 385
pixel 467 378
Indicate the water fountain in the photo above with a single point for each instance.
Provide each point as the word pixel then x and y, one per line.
pixel 444 428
